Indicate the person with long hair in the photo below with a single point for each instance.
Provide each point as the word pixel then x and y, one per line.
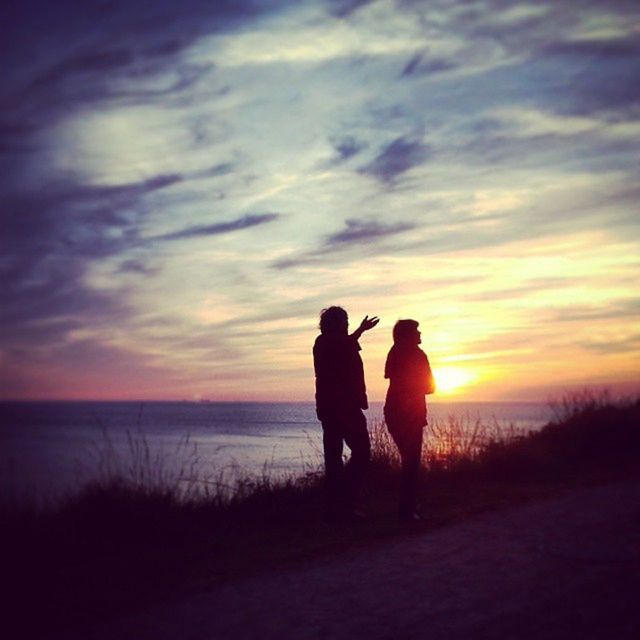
pixel 410 380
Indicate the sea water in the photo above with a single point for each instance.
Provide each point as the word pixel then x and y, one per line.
pixel 52 449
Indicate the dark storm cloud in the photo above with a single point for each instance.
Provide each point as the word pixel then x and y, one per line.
pixel 246 221
pixel 357 234
pixel 397 158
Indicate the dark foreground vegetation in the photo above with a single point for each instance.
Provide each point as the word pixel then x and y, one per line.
pixel 123 543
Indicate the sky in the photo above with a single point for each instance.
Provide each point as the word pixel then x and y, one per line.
pixel 185 185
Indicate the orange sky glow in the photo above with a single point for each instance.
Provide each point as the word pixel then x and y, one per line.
pixel 180 208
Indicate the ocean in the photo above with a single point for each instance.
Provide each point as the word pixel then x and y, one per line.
pixel 51 449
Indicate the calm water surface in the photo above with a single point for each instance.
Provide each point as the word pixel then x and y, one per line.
pixel 49 449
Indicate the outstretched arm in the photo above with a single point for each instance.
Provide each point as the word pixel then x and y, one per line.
pixel 366 324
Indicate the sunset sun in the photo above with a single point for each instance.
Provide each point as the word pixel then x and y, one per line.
pixel 451 380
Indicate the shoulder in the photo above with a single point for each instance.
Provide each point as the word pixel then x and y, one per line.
pixel 335 344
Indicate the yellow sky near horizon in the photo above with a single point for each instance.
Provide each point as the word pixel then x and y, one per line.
pixel 181 208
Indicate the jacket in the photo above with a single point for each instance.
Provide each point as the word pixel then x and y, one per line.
pixel 339 375
pixel 410 379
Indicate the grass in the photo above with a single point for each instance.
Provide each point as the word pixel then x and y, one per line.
pixel 153 526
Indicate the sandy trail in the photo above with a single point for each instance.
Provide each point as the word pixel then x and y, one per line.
pixel 563 568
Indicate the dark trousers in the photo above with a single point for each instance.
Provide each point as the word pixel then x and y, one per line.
pixel 343 482
pixel 409 443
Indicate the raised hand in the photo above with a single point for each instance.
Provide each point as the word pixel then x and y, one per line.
pixel 368 323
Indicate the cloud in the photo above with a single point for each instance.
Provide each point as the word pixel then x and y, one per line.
pixel 420 65
pixel 55 235
pixel 222 169
pixel 613 310
pixel 73 220
pixel 606 77
pixel 358 231
pixel 246 221
pixel 58 64
pixel 127 128
pixel 616 48
pixel 357 234
pixel 345 8
pixel 488 292
pixel 629 344
pixel 347 147
pixel 48 299
pixel 84 63
pixel 137 267
pixel 397 158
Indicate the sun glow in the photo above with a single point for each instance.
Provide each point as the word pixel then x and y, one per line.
pixel 449 380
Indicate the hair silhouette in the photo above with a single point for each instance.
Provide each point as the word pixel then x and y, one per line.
pixel 403 329
pixel 333 320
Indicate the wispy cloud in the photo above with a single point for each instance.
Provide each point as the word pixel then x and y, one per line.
pixel 356 234
pixel 613 310
pixel 629 344
pixel 357 231
pixel 145 149
pixel 347 147
pixel 246 221
pixel 397 158
pixel 344 8
pixel 422 64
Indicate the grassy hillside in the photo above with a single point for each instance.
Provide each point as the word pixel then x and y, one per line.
pixel 138 536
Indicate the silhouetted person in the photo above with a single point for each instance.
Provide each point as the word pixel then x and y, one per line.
pixel 405 409
pixel 340 398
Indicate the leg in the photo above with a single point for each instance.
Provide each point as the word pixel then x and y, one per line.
pixel 357 438
pixel 411 472
pixel 409 442
pixel 333 472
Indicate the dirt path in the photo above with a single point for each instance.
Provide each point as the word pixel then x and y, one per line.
pixel 565 568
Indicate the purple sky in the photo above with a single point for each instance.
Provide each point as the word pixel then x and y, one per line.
pixel 186 184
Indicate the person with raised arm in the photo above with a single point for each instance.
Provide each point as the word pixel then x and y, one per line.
pixel 341 396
